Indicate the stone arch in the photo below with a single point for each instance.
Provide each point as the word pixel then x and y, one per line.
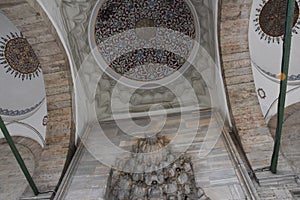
pixel 249 125
pixel 33 22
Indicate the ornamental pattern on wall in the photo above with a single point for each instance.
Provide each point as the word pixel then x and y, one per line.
pixel 261 93
pixel 18 58
pixel 118 16
pixel 12 113
pixel 270 20
pixel 291 78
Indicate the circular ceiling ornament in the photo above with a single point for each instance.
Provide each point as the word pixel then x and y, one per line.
pixel 144 41
pixel 18 57
pixel 270 20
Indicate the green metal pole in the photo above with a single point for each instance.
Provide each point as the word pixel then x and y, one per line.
pixel 283 83
pixel 18 157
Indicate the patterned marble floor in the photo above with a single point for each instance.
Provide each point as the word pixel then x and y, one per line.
pixel 214 168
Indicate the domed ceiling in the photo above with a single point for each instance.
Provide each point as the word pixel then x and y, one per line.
pixel 267 26
pixel 266 31
pixel 143 41
pixel 22 89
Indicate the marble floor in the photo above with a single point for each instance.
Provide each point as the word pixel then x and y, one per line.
pixel 198 134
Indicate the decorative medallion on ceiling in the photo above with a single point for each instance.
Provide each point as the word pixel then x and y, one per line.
pixel 18 57
pixel 266 31
pixel 143 40
pixel 270 20
pixel 22 88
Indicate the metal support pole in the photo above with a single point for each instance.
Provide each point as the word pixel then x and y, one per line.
pixel 18 157
pixel 283 80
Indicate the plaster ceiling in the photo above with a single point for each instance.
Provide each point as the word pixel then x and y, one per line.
pixel 21 80
pixel 267 24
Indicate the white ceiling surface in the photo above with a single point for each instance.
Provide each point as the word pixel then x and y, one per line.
pixel 17 95
pixel 268 57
